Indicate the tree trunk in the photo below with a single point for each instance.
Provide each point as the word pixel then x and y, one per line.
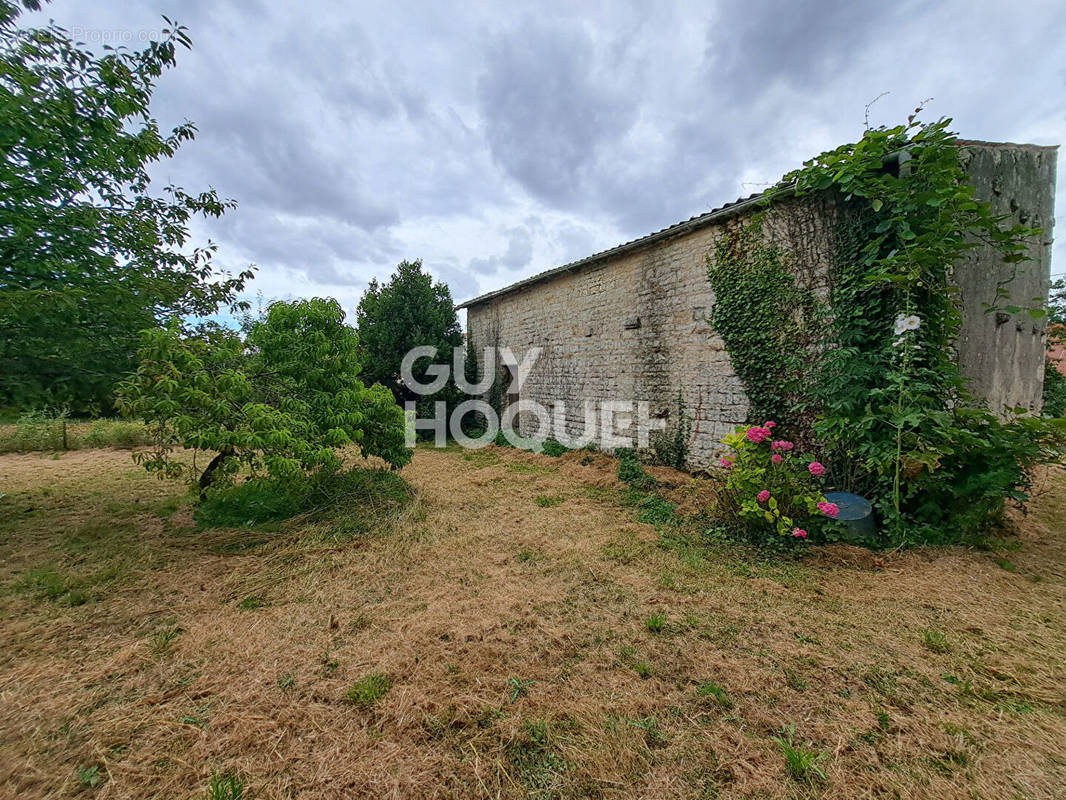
pixel 208 476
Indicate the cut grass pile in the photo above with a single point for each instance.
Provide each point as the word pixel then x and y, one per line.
pixel 479 642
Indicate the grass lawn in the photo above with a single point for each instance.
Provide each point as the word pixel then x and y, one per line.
pixel 515 631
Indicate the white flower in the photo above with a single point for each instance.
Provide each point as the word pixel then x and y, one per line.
pixel 905 324
pixel 898 341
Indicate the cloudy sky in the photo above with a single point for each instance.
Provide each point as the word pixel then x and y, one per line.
pixel 495 140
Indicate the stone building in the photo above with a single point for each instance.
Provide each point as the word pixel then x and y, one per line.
pixel 630 323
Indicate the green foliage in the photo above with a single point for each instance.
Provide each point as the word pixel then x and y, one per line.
pixel 758 312
pixel 712 690
pixel 90 255
pixel 1054 390
pixel 671 447
pixel 281 401
pixel 369 689
pixel 553 448
pixel 802 762
pixel 251 603
pixel 52 429
pixel 519 688
pixel 1056 302
pixel 895 419
pixel 351 503
pixel 632 472
pixel 411 310
pixel 88 777
pixel 935 641
pixel 45 583
pixel 37 430
pixel 536 762
pixel 163 638
pixel 117 433
pixel 656 511
pixel 254 502
pixel 226 786
pixel 656 623
pixel 548 500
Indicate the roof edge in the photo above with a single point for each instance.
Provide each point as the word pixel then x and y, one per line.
pixel 694 223
pixel 691 224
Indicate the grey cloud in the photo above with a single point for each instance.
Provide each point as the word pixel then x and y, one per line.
pixel 353 136
pixel 753 44
pixel 549 106
pixel 518 254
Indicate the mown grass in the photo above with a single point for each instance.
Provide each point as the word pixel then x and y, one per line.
pixel 485 645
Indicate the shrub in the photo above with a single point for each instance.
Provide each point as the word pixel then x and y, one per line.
pixel 1054 390
pixel 354 502
pixel 281 400
pixel 630 471
pixel 771 489
pixel 117 433
pixel 670 448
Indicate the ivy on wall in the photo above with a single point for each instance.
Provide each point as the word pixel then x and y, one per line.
pixel 891 412
pixel 763 319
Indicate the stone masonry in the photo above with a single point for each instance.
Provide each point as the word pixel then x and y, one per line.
pixel 630 324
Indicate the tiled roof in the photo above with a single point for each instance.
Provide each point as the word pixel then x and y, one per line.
pixel 690 224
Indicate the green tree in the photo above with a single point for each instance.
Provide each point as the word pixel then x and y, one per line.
pixel 1056 302
pixel 89 256
pixel 281 401
pixel 410 310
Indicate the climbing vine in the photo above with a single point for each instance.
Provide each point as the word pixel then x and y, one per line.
pixel 759 313
pixel 893 417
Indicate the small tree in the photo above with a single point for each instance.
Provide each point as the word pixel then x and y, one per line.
pixel 281 400
pixel 411 310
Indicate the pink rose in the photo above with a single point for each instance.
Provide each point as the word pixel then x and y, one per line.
pixel 799 533
pixel 777 458
pixel 757 434
pixel 763 496
pixel 829 509
pixel 815 469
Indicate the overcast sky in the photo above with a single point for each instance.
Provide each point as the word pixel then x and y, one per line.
pixel 495 140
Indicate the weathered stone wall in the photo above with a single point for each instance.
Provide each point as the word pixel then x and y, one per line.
pixel 1003 354
pixel 633 326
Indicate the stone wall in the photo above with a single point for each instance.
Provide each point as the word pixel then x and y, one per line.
pixel 632 326
pixel 1003 354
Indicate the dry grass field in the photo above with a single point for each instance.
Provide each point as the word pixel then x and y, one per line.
pixel 514 632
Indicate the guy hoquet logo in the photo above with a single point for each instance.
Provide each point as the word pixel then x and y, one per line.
pixel 610 423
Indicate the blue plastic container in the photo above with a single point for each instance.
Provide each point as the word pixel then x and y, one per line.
pixel 857 515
